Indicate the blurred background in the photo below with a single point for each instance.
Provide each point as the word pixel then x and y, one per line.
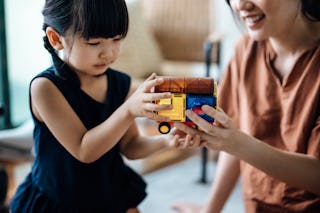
pixel 169 37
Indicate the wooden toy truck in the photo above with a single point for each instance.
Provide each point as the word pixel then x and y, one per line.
pixel 186 93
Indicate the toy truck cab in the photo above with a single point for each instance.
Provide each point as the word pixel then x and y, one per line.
pixel 186 93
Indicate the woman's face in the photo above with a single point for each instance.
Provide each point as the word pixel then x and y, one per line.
pixel 264 19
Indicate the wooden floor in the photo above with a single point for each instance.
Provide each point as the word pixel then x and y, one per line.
pixel 10 168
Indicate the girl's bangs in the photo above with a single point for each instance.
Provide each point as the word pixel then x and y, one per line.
pixel 103 19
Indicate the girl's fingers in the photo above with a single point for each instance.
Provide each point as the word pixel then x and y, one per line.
pixel 190 141
pixel 156 117
pixel 150 97
pixel 175 141
pixel 161 107
pixel 156 107
pixel 152 76
pixel 148 84
pixel 184 128
pixel 203 143
pixel 196 140
pixel 187 141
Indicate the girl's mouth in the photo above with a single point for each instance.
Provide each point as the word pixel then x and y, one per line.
pixel 100 65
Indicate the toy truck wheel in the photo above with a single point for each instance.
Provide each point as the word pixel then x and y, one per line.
pixel 164 128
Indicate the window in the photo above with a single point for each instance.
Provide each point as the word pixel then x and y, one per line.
pixel 25 56
pixel 4 95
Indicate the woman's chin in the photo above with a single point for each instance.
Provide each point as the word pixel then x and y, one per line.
pixel 257 36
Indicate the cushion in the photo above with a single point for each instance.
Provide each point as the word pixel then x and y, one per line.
pixel 140 54
pixel 179 26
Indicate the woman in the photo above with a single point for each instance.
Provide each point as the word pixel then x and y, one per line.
pixel 271 92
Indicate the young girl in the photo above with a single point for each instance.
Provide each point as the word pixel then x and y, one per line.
pixel 83 121
pixel 271 91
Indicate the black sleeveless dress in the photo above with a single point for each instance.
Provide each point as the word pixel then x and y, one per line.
pixel 60 183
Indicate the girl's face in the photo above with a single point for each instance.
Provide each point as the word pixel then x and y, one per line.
pixel 267 18
pixel 93 56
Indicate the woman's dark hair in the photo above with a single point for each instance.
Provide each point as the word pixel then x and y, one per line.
pixel 310 9
pixel 86 18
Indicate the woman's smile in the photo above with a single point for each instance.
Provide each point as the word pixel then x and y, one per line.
pixel 253 21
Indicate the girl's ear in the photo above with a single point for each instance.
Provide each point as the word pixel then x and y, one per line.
pixel 54 38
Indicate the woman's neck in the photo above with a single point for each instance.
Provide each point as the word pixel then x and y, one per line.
pixel 298 40
pixel 289 48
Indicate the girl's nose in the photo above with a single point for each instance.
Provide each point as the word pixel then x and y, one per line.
pixel 107 52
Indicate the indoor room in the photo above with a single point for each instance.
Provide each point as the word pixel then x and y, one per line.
pixel 179 38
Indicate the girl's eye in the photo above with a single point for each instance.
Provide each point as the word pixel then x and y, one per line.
pixel 93 43
pixel 117 39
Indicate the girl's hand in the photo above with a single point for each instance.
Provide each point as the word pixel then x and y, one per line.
pixel 141 102
pixel 218 135
pixel 181 140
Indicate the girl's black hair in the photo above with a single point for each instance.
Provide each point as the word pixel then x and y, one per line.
pixel 3 187
pixel 86 18
pixel 310 9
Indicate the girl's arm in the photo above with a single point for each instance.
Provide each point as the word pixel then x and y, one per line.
pixel 135 146
pixel 299 170
pixel 50 107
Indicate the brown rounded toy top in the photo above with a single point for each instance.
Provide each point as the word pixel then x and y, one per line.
pixel 190 85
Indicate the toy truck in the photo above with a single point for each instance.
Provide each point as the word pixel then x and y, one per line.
pixel 186 93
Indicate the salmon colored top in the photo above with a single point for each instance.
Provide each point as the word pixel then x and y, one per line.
pixel 282 113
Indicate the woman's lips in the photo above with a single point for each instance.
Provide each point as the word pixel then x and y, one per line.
pixel 253 21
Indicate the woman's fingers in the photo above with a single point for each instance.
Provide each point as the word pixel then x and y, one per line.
pixel 219 115
pixel 200 122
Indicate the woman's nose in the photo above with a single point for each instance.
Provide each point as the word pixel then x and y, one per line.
pixel 242 4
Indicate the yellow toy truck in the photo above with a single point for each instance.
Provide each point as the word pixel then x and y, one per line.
pixel 186 93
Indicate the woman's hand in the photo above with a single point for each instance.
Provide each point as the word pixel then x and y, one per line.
pixel 141 102
pixel 218 135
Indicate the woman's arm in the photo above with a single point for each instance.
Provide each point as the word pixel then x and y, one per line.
pixel 227 173
pixel 299 170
